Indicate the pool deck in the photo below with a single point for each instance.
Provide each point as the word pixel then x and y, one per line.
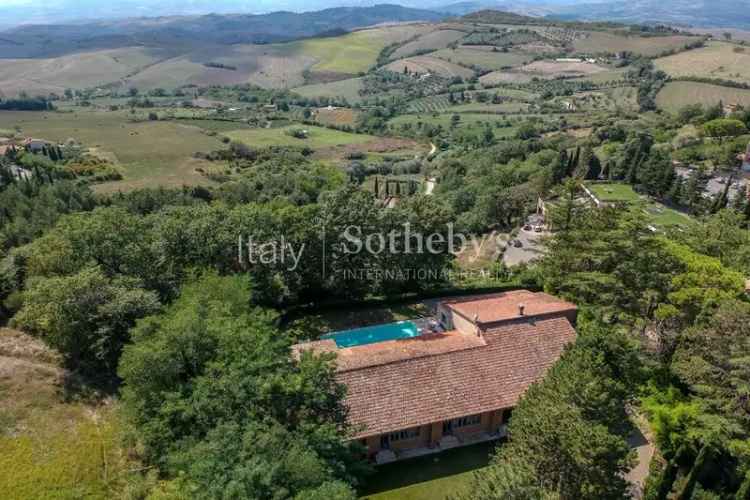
pixel 431 341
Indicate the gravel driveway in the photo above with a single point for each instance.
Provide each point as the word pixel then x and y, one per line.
pixel 531 248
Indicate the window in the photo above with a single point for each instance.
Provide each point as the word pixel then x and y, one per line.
pixel 467 421
pixel 405 434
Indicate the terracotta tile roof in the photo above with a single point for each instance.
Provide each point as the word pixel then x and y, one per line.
pixel 427 344
pixel 505 306
pixel 390 351
pixel 430 388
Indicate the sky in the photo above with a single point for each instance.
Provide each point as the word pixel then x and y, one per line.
pixel 14 12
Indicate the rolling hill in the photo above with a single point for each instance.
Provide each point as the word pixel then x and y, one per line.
pixel 37 41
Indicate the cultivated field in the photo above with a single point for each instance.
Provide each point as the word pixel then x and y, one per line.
pixel 147 153
pixel 354 52
pixel 483 57
pixel 318 137
pixel 607 76
pixel 554 69
pixel 676 95
pixel 445 119
pixel 429 41
pixel 271 66
pixel 348 89
pixel 429 64
pixel 600 42
pixel 715 60
pixel 480 107
pixel 498 77
pixel 431 104
pixel 88 69
pixel 336 116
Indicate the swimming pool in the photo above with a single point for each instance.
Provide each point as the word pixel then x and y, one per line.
pixel 373 334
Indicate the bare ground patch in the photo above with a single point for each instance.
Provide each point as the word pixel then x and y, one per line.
pixel 336 116
pixel 557 69
pixel 427 64
pixel 380 145
pixel 323 77
pixel 497 77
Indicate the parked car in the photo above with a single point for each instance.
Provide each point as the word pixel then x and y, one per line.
pixel 537 229
pixel 516 243
pixel 527 227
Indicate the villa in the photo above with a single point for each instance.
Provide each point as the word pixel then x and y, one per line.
pixel 421 386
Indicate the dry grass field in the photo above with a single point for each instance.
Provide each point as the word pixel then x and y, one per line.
pixel 598 42
pixel 715 60
pixel 348 89
pixel 429 64
pixel 554 69
pixel 336 116
pixel 434 40
pixel 54 446
pixel 610 75
pixel 272 66
pixel 148 153
pixel 88 69
pixel 265 65
pixel 497 77
pixel 483 56
pixel 676 95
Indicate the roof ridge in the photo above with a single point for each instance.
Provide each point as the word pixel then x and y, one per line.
pixel 414 358
pixel 446 353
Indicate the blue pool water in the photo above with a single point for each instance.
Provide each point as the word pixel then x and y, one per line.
pixel 373 334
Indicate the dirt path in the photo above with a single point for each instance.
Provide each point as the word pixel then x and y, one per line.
pixel 641 442
pixel 430 187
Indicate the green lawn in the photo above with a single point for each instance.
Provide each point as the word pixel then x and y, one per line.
pixel 657 214
pixel 318 137
pixel 663 216
pixel 432 477
pixel 348 89
pixel 613 192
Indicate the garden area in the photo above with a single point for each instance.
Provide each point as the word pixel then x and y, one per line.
pixel 431 477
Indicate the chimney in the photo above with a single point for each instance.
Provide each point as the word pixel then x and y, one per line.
pixel 521 309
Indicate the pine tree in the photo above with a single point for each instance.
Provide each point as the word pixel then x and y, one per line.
pixel 675 194
pixel 693 192
pixel 574 161
pixel 721 200
pixel 560 167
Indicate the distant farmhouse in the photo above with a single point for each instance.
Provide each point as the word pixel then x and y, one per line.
pixel 746 160
pixel 35 145
pixel 419 387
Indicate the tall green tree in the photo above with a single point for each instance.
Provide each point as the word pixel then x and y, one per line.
pixel 567 436
pixel 86 316
pixel 221 405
